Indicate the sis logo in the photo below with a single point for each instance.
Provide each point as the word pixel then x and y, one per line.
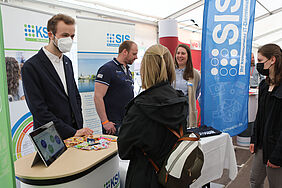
pixel 35 33
pixel 114 40
pixel 114 182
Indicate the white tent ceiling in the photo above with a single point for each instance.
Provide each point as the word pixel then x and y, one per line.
pixel 188 13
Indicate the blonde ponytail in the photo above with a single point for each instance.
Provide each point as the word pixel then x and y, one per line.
pixel 157 66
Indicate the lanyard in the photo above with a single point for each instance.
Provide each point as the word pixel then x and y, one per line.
pixel 253 71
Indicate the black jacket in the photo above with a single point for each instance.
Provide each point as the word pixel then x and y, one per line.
pixel 46 97
pixel 144 127
pixel 267 132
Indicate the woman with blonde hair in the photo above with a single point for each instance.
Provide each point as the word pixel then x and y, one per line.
pixel 188 80
pixel 144 128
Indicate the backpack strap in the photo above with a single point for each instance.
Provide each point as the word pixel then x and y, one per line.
pixel 152 162
pixel 190 138
pixel 177 135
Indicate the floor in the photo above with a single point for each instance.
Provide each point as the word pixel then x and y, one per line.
pixel 244 162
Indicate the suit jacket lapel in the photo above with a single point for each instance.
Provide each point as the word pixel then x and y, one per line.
pixel 68 74
pixel 50 68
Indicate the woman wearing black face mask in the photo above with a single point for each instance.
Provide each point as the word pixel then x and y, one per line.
pixel 266 141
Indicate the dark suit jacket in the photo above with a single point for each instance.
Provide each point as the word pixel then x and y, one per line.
pixel 46 97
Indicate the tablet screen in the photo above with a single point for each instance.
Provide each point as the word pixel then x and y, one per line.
pixel 48 143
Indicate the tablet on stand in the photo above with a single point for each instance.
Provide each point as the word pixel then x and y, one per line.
pixel 47 143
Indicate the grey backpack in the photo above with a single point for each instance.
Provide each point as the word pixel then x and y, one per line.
pixel 183 164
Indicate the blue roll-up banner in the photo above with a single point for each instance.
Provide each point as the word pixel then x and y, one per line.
pixel 225 63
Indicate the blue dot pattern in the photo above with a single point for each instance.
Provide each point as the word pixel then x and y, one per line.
pixel 29 30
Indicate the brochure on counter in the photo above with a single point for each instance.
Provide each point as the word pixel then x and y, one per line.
pixel 90 142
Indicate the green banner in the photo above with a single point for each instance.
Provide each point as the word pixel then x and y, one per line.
pixel 7 174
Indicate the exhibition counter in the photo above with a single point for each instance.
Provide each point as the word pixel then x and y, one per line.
pixel 74 168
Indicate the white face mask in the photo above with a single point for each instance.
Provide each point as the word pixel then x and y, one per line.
pixel 64 44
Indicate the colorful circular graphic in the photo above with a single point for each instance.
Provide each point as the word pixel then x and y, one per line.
pixel 57 139
pixel 20 130
pixel 52 138
pixel 43 144
pixel 50 148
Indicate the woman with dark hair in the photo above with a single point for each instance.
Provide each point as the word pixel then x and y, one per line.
pixel 188 80
pixel 148 117
pixel 266 141
pixel 15 86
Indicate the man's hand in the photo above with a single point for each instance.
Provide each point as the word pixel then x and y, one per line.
pixel 269 164
pixel 83 131
pixel 252 148
pixel 110 128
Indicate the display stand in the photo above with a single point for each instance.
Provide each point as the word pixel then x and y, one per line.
pixel 74 168
pixel 37 159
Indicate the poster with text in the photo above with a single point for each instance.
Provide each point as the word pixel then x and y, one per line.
pixel 25 32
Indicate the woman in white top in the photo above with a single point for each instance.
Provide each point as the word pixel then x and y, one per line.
pixel 188 80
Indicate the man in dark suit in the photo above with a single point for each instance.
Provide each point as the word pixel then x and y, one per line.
pixel 49 85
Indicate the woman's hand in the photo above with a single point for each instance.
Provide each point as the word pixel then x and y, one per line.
pixel 252 148
pixel 269 164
